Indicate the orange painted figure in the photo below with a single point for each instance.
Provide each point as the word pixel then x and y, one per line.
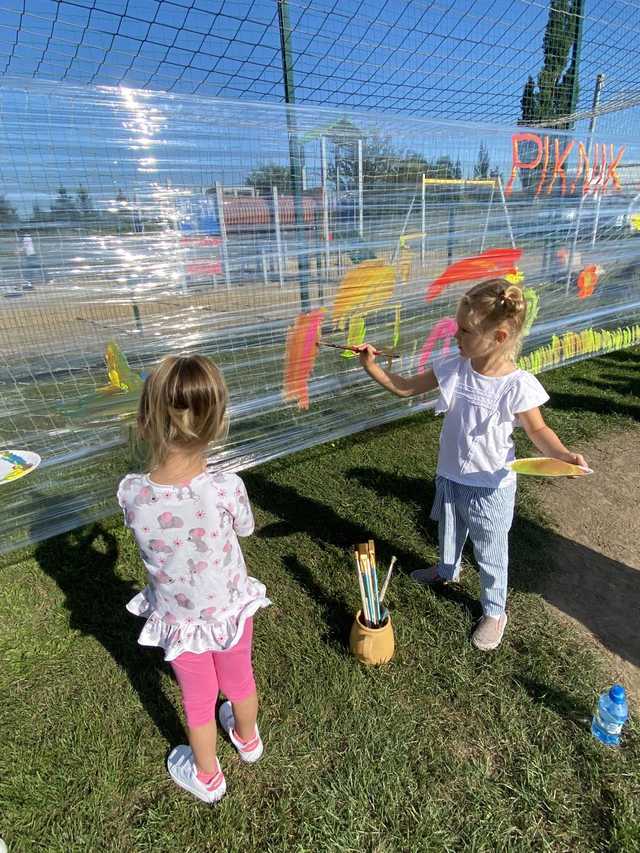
pixel 493 263
pixel 300 356
pixel 363 289
pixel 587 280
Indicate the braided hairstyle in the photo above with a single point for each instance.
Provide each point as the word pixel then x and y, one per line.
pixel 183 406
pixel 495 303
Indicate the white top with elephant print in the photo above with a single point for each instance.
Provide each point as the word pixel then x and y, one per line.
pixel 198 595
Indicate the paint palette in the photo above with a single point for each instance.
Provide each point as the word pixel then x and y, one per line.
pixel 16 463
pixel 544 466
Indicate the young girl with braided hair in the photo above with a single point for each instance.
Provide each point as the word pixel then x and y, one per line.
pixel 483 395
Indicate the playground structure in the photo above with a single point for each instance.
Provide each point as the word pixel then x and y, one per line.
pixel 148 251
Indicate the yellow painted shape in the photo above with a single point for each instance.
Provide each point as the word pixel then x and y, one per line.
pixel 514 277
pixel 363 289
pixel 356 336
pixel 396 328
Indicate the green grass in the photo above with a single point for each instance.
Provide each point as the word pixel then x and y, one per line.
pixel 443 749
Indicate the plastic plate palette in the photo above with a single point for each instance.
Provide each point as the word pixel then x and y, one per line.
pixel 544 466
pixel 16 463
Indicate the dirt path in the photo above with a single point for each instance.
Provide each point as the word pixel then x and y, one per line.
pixel 596 577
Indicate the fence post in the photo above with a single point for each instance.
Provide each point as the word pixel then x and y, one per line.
pixel 360 192
pixel 325 206
pixel 576 233
pixel 276 224
pixel 223 233
pixel 423 224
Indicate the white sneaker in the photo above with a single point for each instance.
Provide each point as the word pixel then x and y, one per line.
pixel 428 577
pixel 250 751
pixel 182 769
pixel 489 632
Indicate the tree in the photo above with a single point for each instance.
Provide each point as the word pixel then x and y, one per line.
pixel 38 214
pixel 84 202
pixel 63 207
pixel 553 98
pixel 481 168
pixel 270 175
pixel 8 215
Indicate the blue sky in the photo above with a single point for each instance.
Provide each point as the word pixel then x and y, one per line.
pixel 466 59
pixel 462 61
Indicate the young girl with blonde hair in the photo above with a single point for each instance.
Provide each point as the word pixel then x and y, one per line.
pixel 199 601
pixel 483 395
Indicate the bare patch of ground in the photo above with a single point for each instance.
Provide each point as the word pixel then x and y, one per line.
pixel 595 581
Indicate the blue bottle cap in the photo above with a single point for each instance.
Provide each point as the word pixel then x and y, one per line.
pixel 617 694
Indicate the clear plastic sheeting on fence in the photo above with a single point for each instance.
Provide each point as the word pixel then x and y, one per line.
pixel 137 224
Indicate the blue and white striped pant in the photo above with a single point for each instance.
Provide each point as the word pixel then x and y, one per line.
pixel 485 515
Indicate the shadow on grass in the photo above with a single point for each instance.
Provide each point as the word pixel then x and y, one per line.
pixel 82 563
pixel 602 405
pixel 600 593
pixel 556 700
pixel 323 524
pixel 338 616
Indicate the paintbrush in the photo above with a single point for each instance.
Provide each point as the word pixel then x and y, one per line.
pixel 363 554
pixel 363 596
pixel 387 579
pixel 385 352
pixel 374 572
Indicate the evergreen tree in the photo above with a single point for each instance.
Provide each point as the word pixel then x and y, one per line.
pixel 271 175
pixel 552 99
pixel 84 202
pixel 63 207
pixel 8 215
pixel 528 103
pixel 481 168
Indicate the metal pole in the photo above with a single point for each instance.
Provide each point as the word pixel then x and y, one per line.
pixel 451 232
pixel 506 212
pixel 592 126
pixel 295 148
pixel 423 224
pixel 360 192
pixel 223 233
pixel 276 223
pixel 486 222
pixel 325 206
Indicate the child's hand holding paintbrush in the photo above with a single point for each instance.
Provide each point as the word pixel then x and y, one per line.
pixel 359 349
pixel 401 386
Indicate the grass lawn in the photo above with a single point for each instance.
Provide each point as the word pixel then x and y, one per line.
pixel 443 749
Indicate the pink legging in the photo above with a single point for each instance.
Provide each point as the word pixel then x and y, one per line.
pixel 201 676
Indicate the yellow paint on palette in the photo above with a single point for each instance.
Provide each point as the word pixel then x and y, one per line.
pixel 363 289
pixel 544 466
pixel 634 221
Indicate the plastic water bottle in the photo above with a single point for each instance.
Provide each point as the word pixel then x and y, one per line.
pixel 610 716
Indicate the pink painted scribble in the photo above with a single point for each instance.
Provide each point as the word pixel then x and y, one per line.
pixel 443 330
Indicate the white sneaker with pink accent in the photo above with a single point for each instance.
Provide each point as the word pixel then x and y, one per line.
pixel 249 751
pixel 183 771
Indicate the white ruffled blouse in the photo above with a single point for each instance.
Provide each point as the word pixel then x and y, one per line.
pixel 476 444
pixel 198 595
